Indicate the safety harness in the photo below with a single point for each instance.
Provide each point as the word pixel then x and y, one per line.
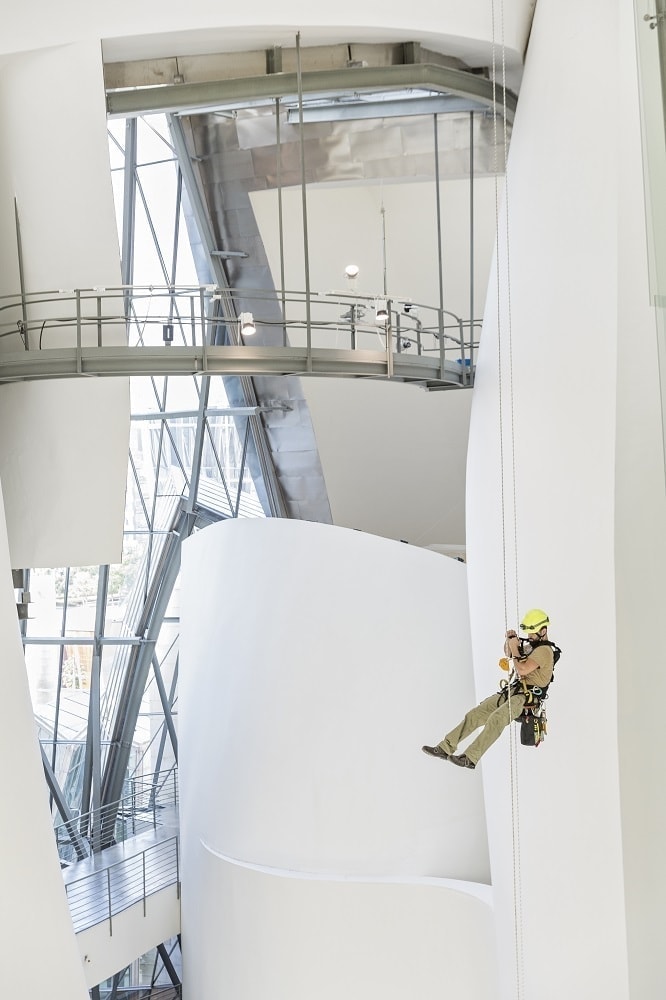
pixel 533 721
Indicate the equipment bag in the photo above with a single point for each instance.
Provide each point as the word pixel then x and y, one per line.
pixel 532 727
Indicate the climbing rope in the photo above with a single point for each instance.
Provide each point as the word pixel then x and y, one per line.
pixel 514 789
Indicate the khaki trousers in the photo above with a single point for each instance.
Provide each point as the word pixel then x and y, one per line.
pixel 493 717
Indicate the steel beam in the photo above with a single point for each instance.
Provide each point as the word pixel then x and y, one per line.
pixel 186 98
pixel 166 701
pixel 78 842
pixel 91 796
pixel 71 362
pixel 136 673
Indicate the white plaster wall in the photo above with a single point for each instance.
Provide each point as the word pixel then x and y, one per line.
pixel 640 551
pixel 129 30
pixel 57 166
pixel 38 943
pixel 106 950
pixel 393 458
pixel 63 444
pixel 301 745
pixel 561 334
pixel 279 935
pixel 346 225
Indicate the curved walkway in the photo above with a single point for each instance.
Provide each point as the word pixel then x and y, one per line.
pixel 70 362
pixel 103 885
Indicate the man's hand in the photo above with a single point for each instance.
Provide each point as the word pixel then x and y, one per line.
pixel 512 644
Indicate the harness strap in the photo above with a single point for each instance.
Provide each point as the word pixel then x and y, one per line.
pixel 534 695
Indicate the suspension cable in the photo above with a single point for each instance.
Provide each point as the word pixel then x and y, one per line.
pixel 514 790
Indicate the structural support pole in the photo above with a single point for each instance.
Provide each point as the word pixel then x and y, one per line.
pixel 93 765
pixel 62 807
pixel 304 201
pixel 138 667
pixel 278 184
pixel 166 706
pixel 159 757
pixel 440 263
pixel 19 250
pixel 129 209
pixel 472 305
pixel 168 964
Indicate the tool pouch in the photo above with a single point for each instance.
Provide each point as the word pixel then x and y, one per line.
pixel 532 728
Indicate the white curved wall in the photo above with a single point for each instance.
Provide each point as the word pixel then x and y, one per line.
pixel 584 404
pixel 300 743
pixel 64 443
pixel 130 28
pixel 640 554
pixel 273 934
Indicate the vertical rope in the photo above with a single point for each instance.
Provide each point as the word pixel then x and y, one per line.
pixel 518 889
pixel 514 791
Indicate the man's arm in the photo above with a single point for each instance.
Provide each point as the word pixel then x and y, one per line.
pixel 523 666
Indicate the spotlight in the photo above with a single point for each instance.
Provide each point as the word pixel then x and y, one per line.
pixel 381 312
pixel 410 309
pixel 351 271
pixel 247 327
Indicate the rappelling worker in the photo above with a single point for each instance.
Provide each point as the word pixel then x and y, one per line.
pixel 533 660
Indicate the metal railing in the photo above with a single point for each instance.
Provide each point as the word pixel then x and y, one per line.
pixel 205 317
pixel 146 806
pixel 100 895
pixel 141 993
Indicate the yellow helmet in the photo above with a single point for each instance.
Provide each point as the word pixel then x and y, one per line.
pixel 534 620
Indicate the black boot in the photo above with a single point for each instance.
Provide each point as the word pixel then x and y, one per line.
pixel 462 760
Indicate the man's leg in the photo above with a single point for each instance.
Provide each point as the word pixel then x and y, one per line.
pixel 475 718
pixel 495 724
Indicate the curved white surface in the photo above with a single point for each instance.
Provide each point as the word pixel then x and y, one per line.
pixel 569 211
pixel 343 654
pixel 251 934
pixel 63 444
pixel 476 889
pixel 129 30
pixel 300 756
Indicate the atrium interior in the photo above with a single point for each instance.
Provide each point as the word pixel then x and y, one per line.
pixel 292 335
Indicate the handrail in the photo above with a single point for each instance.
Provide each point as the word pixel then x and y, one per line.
pixel 138 811
pixel 141 993
pixel 99 895
pixel 199 323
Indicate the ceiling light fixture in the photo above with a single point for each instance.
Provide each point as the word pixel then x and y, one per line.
pixel 247 327
pixel 381 312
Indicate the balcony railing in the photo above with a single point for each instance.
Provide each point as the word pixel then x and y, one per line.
pixel 147 805
pixel 98 896
pixel 206 329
